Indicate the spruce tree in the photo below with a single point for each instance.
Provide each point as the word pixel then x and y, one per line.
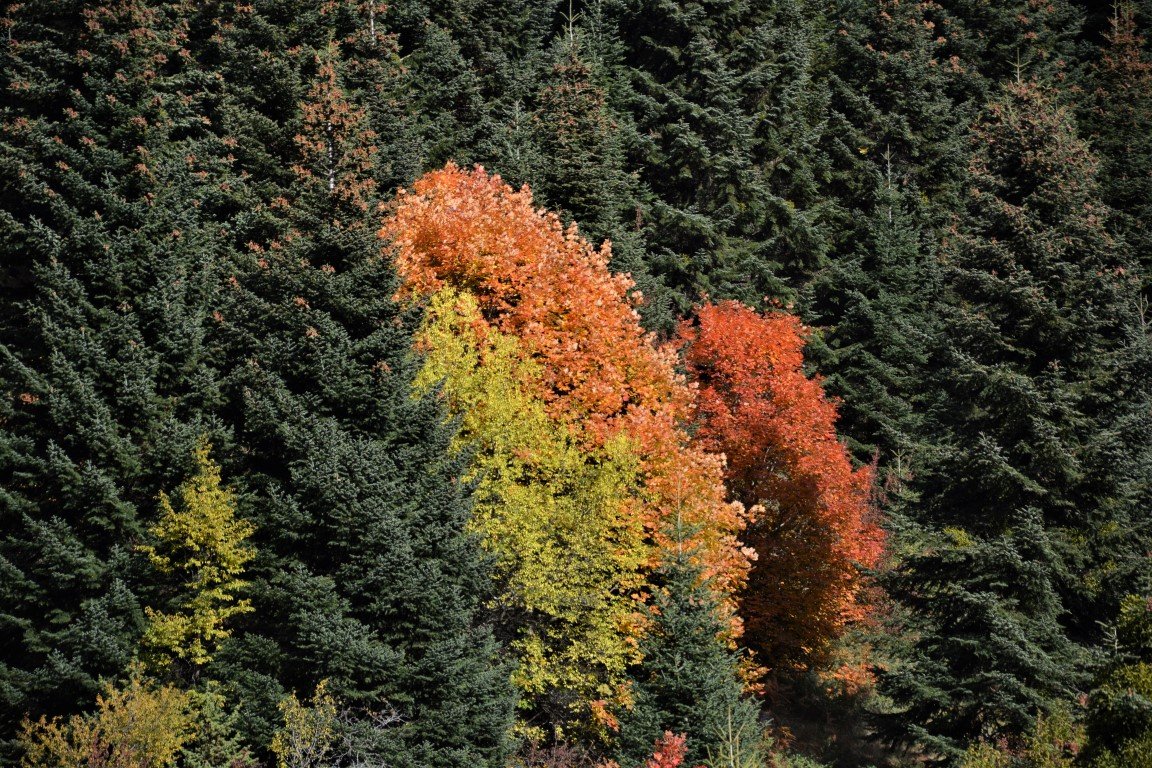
pixel 1115 118
pixel 109 263
pixel 1027 513
pixel 997 42
pixel 900 163
pixel 689 681
pixel 725 107
pixel 1120 707
pixel 583 170
pixel 875 309
pixel 365 576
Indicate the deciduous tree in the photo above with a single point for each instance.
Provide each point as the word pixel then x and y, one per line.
pixel 202 546
pixel 812 527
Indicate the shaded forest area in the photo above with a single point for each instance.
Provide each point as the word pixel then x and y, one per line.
pixel 615 384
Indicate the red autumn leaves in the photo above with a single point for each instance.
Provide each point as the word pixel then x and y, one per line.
pixel 807 509
pixel 811 520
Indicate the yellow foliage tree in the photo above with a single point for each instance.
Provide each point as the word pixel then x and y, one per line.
pixel 554 512
pixel 200 541
pixel 309 733
pixel 137 726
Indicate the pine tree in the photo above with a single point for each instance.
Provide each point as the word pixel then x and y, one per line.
pixel 445 110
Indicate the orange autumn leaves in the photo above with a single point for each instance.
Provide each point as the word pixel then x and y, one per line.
pixel 604 382
pixel 600 375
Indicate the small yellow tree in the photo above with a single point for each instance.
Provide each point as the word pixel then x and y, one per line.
pixel 200 542
pixel 310 730
pixel 137 726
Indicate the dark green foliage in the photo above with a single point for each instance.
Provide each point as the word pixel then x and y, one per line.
pixel 166 278
pixel 875 308
pixel 582 170
pixel 1116 116
pixel 1024 497
pixel 364 576
pixel 108 261
pixel 585 173
pixel 689 681
pixel 216 743
pixel 724 117
pixel 1013 40
pixel 900 165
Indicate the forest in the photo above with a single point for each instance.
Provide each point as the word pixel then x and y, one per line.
pixel 575 384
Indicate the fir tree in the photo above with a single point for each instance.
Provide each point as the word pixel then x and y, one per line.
pixel 876 309
pixel 109 263
pixel 1120 706
pixel 725 109
pixel 365 575
pixel 585 175
pixel 1010 41
pixel 1116 119
pixel 900 163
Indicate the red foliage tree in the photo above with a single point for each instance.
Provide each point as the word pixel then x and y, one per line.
pixel 669 751
pixel 811 520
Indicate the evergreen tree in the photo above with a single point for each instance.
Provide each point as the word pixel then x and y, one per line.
pixel 445 111
pixel 1120 707
pixel 899 164
pixel 1027 514
pixel 585 173
pixel 365 575
pixel 109 262
pixel 689 681
pixel 215 741
pixel 1116 118
pixel 875 307
pixel 725 108
pixel 1014 40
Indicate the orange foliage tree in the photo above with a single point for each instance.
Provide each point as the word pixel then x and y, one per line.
pixel 601 376
pixel 812 523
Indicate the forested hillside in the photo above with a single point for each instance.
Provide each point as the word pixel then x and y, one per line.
pixel 575 383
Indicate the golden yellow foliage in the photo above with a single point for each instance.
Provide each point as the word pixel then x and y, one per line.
pixel 309 731
pixel 137 726
pixel 554 512
pixel 201 542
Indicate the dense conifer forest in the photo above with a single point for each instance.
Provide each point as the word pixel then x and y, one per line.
pixel 575 384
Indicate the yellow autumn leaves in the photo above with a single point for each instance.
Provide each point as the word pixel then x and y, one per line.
pixel 569 557
pixel 201 543
pixel 202 546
